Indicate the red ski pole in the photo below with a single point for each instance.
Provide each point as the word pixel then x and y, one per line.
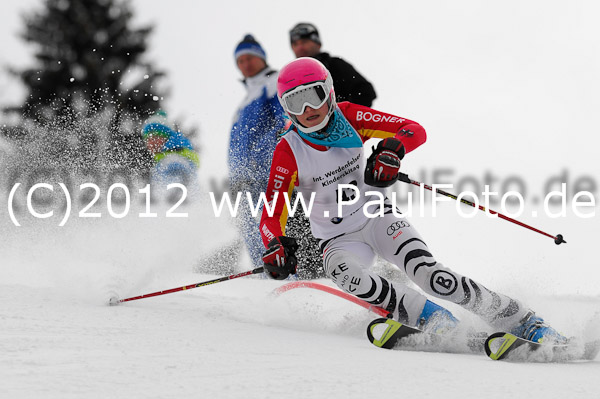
pixel 558 239
pixel 115 301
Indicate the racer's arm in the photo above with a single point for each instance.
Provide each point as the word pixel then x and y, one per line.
pixel 370 123
pixel 282 179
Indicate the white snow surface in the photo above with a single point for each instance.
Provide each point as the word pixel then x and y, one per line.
pixel 60 339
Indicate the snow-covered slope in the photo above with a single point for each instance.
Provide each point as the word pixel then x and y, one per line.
pixel 59 339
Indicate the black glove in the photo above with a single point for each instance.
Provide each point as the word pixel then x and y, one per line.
pixel 280 257
pixel 383 165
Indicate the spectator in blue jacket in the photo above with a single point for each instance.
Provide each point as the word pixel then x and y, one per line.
pixel 258 122
pixel 175 160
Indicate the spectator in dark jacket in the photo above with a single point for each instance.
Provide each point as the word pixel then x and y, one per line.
pixel 349 84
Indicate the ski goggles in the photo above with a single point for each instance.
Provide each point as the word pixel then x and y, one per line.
pixel 313 95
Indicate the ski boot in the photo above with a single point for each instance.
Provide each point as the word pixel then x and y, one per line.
pixel 533 328
pixel 436 319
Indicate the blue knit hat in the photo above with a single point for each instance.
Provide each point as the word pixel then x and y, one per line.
pixel 249 45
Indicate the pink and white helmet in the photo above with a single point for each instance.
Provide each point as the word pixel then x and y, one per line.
pixel 305 82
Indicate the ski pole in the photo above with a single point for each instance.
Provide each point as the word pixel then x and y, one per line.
pixel 558 239
pixel 115 301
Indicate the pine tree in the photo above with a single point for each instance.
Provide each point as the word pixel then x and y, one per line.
pixel 87 51
pixel 89 65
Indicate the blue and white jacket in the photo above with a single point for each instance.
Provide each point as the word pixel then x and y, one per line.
pixel 259 121
pixel 257 124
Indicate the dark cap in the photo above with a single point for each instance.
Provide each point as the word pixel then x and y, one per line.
pixel 304 30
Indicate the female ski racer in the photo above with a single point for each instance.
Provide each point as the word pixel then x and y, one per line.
pixel 323 154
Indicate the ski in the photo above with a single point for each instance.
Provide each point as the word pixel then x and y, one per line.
pixel 391 334
pixel 386 333
pixel 506 346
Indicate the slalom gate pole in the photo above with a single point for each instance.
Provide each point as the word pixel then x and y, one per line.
pixel 330 290
pixel 116 301
pixel 558 239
